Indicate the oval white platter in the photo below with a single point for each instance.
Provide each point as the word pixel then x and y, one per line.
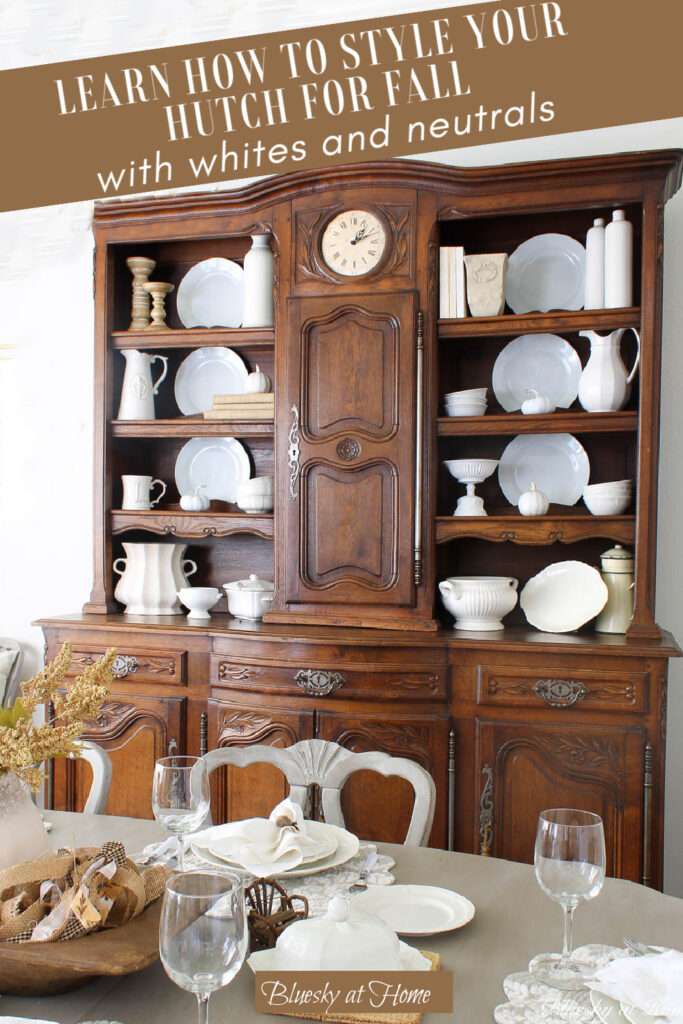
pixel 546 272
pixel 556 463
pixel 545 363
pixel 563 597
pixel 207 372
pixel 212 294
pixel 218 464
pixel 416 909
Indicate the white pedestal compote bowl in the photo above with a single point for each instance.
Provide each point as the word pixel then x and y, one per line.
pixel 470 472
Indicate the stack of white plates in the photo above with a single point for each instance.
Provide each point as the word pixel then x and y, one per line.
pixel 471 402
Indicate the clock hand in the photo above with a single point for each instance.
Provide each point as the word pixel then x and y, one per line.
pixel 360 235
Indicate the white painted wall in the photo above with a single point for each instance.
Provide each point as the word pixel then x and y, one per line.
pixel 46 313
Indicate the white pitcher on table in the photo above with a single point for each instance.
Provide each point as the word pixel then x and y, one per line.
pixel 138 391
pixel 605 383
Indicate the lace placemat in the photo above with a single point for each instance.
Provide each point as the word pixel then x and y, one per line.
pixel 318 888
pixel 532 1002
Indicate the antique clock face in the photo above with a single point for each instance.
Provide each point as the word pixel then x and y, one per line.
pixel 353 243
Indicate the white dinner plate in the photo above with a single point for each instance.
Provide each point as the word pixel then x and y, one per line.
pixel 207 372
pixel 556 463
pixel 563 597
pixel 411 959
pixel 545 363
pixel 607 1009
pixel 546 272
pixel 326 845
pixel 416 909
pixel 217 463
pixel 635 1016
pixel 212 294
pixel 347 847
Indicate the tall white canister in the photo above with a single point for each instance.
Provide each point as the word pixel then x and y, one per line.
pixel 258 283
pixel 595 266
pixel 618 261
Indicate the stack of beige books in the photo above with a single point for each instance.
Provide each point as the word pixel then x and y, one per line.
pixel 242 407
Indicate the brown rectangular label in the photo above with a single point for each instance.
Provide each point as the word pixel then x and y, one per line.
pixel 334 993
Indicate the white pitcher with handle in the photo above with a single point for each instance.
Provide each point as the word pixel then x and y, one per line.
pixel 605 383
pixel 138 391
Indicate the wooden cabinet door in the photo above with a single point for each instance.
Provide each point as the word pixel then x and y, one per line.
pixel 525 768
pixel 379 808
pixel 135 731
pixel 252 791
pixel 348 493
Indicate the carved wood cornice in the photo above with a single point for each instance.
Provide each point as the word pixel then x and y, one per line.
pixel 242 728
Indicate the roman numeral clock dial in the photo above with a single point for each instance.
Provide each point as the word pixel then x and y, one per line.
pixel 353 243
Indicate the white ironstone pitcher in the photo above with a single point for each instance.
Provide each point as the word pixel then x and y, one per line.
pixel 138 391
pixel 605 383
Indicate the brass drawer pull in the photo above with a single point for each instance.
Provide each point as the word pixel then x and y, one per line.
pixel 317 683
pixel 561 693
pixel 124 665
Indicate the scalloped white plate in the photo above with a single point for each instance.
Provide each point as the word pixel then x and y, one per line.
pixel 546 272
pixel 416 909
pixel 212 294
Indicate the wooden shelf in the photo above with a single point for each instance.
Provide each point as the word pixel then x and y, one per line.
pixel 540 323
pixel 559 422
pixel 566 528
pixel 193 524
pixel 190 427
pixel 194 336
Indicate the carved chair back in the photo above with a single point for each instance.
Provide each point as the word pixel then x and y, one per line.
pixel 329 766
pixel 100 762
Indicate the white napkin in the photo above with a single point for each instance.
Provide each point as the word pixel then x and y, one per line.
pixel 261 846
pixel 653 984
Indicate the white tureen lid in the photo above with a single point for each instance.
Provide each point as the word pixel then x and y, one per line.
pixel 342 940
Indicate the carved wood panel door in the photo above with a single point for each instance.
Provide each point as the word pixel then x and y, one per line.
pixel 375 807
pixel 135 731
pixel 525 768
pixel 253 791
pixel 348 496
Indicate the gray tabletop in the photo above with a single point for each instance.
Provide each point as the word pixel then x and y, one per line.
pixel 513 921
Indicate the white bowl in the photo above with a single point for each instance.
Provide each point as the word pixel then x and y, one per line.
pixel 257 485
pixel 612 487
pixel 253 504
pixel 471 471
pixel 607 504
pixel 466 409
pixel 468 393
pixel 199 600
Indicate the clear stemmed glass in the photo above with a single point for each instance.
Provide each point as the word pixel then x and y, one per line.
pixel 180 796
pixel 203 932
pixel 570 867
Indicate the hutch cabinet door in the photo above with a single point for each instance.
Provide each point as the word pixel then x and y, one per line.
pixel 252 791
pixel 135 731
pixel 379 808
pixel 527 767
pixel 350 485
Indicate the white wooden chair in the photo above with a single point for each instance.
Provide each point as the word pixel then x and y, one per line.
pixel 13 656
pixel 329 765
pixel 100 762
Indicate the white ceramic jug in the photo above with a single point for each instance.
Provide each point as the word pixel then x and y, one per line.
pixel 258 283
pixel 151 577
pixel 138 391
pixel 605 384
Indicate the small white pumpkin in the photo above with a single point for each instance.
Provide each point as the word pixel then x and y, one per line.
pixel 533 502
pixel 195 502
pixel 537 404
pixel 258 383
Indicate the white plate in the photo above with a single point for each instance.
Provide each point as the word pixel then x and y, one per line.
pixel 563 597
pixel 411 959
pixel 416 909
pixel 635 1016
pixel 546 272
pixel 207 372
pixel 544 362
pixel 347 847
pixel 327 845
pixel 607 1009
pixel 556 463
pixel 219 463
pixel 212 294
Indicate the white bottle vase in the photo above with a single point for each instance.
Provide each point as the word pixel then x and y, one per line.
pixel 618 262
pixel 258 283
pixel 595 266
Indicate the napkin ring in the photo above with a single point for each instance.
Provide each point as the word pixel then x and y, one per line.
pixel 266 921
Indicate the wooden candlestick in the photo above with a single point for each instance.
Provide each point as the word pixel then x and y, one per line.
pixel 140 267
pixel 158 290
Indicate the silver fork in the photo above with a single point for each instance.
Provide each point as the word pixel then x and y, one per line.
pixel 639 948
pixel 361 884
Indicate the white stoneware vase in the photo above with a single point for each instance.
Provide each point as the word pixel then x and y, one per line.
pixel 22 833
pixel 595 266
pixel 479 602
pixel 486 283
pixel 605 384
pixel 618 261
pixel 138 391
pixel 258 283
pixel 151 577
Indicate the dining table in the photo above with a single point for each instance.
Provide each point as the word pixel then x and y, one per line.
pixel 514 920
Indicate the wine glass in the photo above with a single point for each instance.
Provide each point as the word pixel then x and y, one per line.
pixel 203 932
pixel 570 867
pixel 180 796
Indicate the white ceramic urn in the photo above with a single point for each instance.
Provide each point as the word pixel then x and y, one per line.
pixel 258 283
pixel 479 602
pixel 151 577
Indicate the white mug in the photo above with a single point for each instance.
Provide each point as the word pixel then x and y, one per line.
pixel 136 492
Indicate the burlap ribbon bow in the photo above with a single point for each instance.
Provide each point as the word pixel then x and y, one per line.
pixel 69 894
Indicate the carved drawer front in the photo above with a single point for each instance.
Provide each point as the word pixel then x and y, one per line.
pixel 565 689
pixel 322 678
pixel 135 664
